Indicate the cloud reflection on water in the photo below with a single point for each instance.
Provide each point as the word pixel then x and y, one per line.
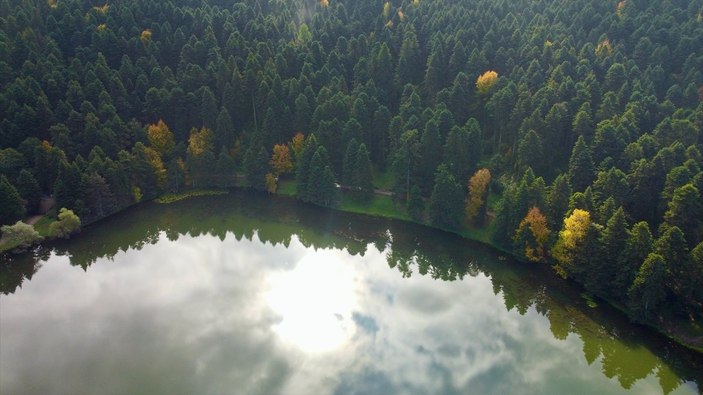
pixel 206 316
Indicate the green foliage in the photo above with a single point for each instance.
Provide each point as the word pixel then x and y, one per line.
pixel 447 200
pixel 29 190
pixel 19 235
pixel 647 293
pixel 75 108
pixel 67 224
pixel 11 203
pixel 415 206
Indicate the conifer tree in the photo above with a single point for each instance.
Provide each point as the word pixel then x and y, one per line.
pixel 11 203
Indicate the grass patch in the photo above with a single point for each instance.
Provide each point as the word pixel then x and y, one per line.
pixel 381 206
pixel 175 197
pixel 287 188
pixel 42 226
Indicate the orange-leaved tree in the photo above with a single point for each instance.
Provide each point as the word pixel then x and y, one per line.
pixel 160 138
pixel 281 161
pixel 532 235
pixel 478 194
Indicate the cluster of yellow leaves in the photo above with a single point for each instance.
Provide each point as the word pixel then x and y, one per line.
pixel 281 161
pixel 271 183
pixel 297 143
pixel 604 48
pixel 145 36
pixel 536 223
pixel 160 138
pixel 325 3
pixel 389 24
pixel 158 165
pixel 52 3
pixel 401 15
pixel 416 2
pixel 478 191
pixel 386 9
pixel 200 141
pixel 101 27
pixel 619 7
pixel 103 9
pixel 570 238
pixel 486 81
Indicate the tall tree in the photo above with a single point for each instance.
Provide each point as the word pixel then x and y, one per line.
pixel 446 201
pixel 581 168
pixel 29 190
pixel 11 203
pixel 478 189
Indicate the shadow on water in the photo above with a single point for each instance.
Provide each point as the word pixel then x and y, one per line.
pixel 412 249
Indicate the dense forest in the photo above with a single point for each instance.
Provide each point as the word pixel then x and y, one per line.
pixel 580 122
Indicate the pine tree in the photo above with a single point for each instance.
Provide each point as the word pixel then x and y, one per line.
pixel 614 241
pixel 363 176
pixel 648 293
pixel 446 202
pixel 29 190
pixel 11 203
pixel 415 206
pixel 225 169
pixel 581 168
pixel 349 163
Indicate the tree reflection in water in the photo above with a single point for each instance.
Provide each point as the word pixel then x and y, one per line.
pixel 607 338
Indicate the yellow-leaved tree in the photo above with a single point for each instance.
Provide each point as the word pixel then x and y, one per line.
pixel 296 145
pixel 532 235
pixel 478 194
pixel 571 241
pixel 281 161
pixel 486 81
pixel 160 138
pixel 271 183
pixel 200 141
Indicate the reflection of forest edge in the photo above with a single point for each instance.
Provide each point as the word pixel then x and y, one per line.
pixel 606 334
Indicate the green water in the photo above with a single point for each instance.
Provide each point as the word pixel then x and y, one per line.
pixel 247 294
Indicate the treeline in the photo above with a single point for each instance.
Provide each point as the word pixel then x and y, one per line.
pixel 584 119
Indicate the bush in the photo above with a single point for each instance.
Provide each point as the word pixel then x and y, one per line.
pixel 67 225
pixel 20 235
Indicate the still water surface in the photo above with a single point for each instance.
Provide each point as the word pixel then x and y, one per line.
pixel 245 294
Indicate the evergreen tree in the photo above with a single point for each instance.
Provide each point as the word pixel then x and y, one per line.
pixel 647 293
pixel 321 185
pixel 224 130
pixel 256 165
pixel 446 202
pixel 614 241
pixel 350 162
pixel 415 206
pixel 11 203
pixel 29 190
pixel 303 164
pixel 363 176
pixel 581 168
pixel 225 169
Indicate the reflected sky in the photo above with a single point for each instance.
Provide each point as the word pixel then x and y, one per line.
pixel 210 316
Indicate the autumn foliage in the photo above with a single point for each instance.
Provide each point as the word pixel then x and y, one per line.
pixel 571 240
pixel 533 234
pixel 486 81
pixel 200 141
pixel 478 193
pixel 160 138
pixel 271 183
pixel 281 161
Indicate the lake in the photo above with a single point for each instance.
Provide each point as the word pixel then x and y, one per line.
pixel 251 294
